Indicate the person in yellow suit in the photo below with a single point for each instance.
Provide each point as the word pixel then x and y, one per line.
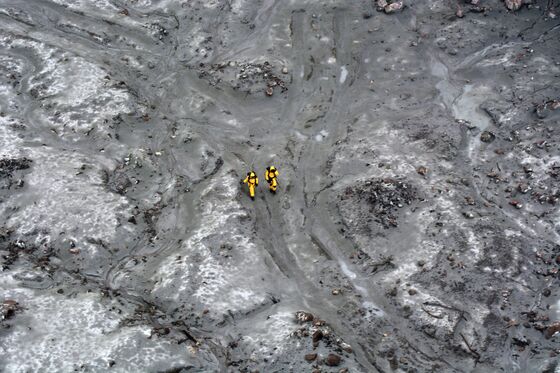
pixel 252 181
pixel 271 175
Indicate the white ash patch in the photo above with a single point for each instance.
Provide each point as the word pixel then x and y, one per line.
pixel 219 283
pixel 56 339
pixel 59 201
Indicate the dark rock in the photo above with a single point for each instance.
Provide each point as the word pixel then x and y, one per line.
pixel 487 137
pixel 546 292
pixel 422 170
pixel 9 165
pixel 522 342
pixel 392 292
pixel 310 357
pixel 551 330
pixel 317 336
pixel 412 292
pixel 9 308
pixel 333 360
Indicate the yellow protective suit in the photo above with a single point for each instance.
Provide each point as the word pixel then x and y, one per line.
pixel 252 181
pixel 271 175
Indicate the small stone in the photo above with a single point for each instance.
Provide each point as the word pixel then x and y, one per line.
pixel 487 137
pixel 317 336
pixel 422 170
pixel 468 215
pixel 336 291
pixel 421 263
pixel 393 7
pixel 552 330
pixel 310 357
pixel 513 4
pixel 269 91
pixel 333 360
pixel 346 347
pixel 523 188
pixel 412 292
pixel 515 203
pixel 459 13
pixel 8 309
pixel 546 292
pixel 284 70
pixel 469 200
pixel 528 169
pixel 74 250
pixel 303 316
pixel 381 4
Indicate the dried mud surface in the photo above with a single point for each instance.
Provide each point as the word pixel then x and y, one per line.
pixel 417 223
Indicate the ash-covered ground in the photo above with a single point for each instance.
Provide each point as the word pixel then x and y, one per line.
pixel 417 224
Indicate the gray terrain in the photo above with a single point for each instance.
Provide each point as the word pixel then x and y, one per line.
pixel 417 223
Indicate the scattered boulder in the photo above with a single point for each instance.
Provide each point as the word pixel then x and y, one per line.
pixel 303 316
pixel 317 335
pixel 487 137
pixel 515 203
pixel 9 308
pixel 346 347
pixel 389 6
pixel 523 188
pixel 9 165
pixel 310 357
pixel 552 330
pixel 381 197
pixel 333 360
pixel 422 170
pixel 543 110
pixel 393 7
pixel 513 4
pixel 119 183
